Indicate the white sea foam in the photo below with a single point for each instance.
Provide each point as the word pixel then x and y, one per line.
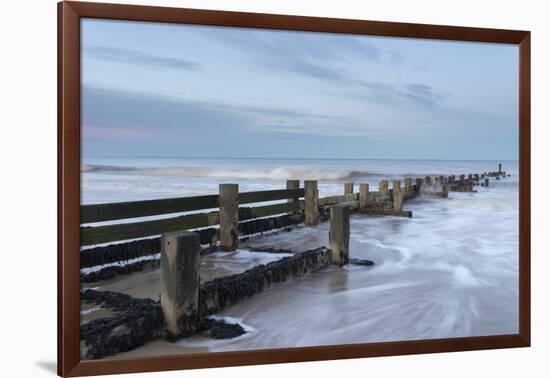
pixel 273 173
pixel 232 320
pixel 90 310
pixel 120 263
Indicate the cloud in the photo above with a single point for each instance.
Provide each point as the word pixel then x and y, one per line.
pixel 422 94
pixel 313 55
pixel 138 58
pixel 390 94
pixel 142 116
pixel 323 57
pixel 123 122
pixel 111 133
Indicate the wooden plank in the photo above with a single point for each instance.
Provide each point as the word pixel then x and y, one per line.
pixel 123 231
pixel 334 200
pixel 353 205
pixel 379 197
pixel 396 213
pixel 269 195
pixel 135 209
pixel 268 210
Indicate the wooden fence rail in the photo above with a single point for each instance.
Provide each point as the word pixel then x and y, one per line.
pixel 136 209
pixel 90 235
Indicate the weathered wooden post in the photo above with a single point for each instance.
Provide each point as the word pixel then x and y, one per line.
pixel 470 176
pixel 339 234
pixel 383 186
pixel 418 184
pixel 213 218
pixel 397 196
pixel 461 180
pixel 348 188
pixel 292 184
pixel 445 191
pixel 428 180
pixel 229 217
pixel 311 203
pixel 486 182
pixel 441 180
pixel 450 179
pixel 476 176
pixel 408 184
pixel 363 196
pixel 180 260
pixel 499 168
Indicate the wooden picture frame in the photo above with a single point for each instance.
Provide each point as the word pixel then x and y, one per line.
pixel 69 16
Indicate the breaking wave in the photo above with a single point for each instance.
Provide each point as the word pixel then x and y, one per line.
pixel 235 173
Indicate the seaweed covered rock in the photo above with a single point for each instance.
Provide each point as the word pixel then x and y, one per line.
pixel 220 329
pixel 135 322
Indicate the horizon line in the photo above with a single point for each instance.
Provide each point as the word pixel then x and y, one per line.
pixel 284 158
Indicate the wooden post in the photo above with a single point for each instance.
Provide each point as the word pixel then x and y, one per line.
pixel 428 180
pixel 441 180
pixel 229 217
pixel 418 184
pixel 445 192
pixel 348 188
pixel 311 203
pixel 339 234
pixel 408 184
pixel 292 184
pixel 397 195
pixel 461 180
pixel 486 182
pixel 363 196
pixel 499 168
pixel 180 260
pixel 383 186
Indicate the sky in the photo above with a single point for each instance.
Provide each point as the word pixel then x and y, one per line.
pixel 152 89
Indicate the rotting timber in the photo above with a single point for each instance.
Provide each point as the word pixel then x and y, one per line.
pixel 135 321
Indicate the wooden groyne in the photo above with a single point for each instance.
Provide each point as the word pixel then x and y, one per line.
pixel 136 321
pixel 185 303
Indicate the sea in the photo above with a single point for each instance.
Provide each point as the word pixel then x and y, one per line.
pixel 449 271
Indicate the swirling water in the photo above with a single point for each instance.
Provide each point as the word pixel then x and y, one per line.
pixel 449 271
